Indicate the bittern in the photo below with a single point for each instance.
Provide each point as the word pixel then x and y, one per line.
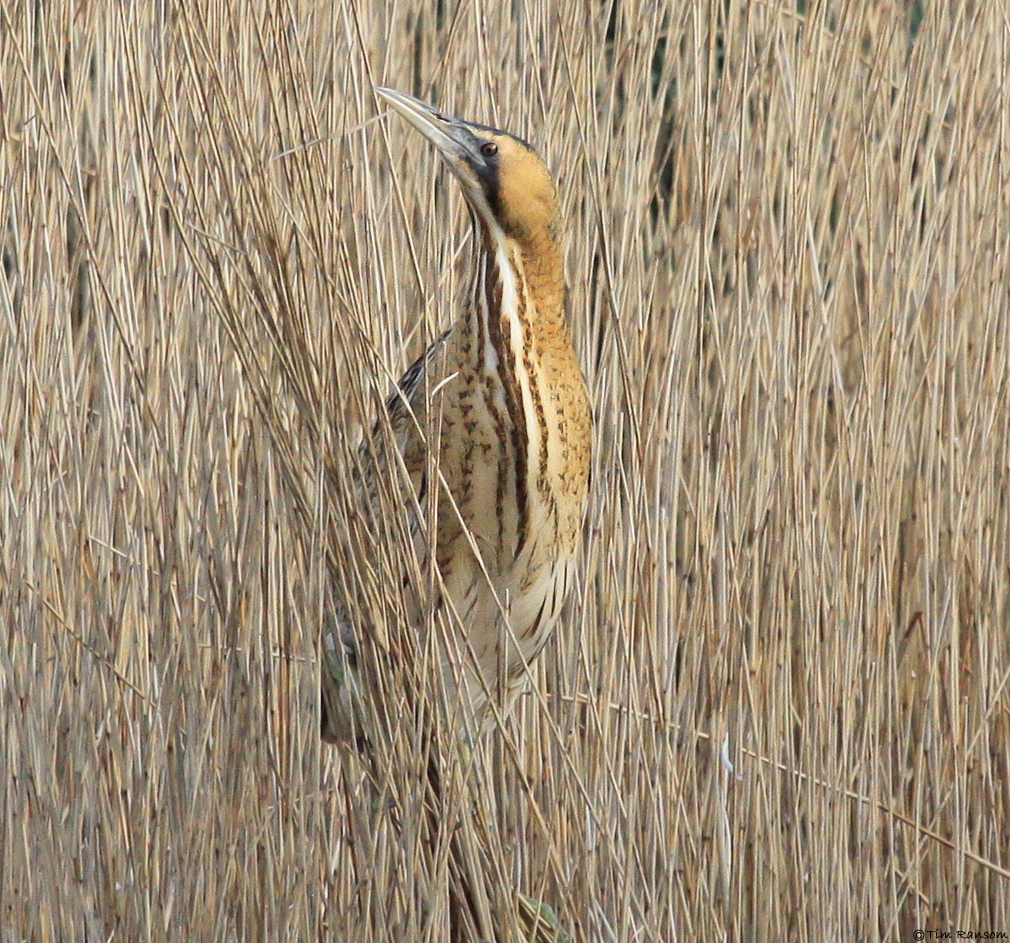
pixel 504 390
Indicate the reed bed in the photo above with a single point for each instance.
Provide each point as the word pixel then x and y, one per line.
pixel 778 705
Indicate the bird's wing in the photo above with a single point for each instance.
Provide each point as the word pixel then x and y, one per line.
pixel 376 471
pixel 409 392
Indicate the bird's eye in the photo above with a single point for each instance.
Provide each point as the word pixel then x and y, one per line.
pixel 489 149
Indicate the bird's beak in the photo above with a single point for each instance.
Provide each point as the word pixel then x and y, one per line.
pixel 453 138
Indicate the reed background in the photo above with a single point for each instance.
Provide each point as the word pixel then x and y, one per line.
pixel 789 288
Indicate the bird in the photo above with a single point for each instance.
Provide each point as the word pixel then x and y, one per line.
pixel 502 401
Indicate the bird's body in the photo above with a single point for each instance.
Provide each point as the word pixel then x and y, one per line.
pixel 502 403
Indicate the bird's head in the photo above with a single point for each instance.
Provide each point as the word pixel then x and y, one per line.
pixel 504 179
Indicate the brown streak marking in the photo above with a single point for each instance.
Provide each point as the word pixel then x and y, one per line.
pixel 529 364
pixel 513 403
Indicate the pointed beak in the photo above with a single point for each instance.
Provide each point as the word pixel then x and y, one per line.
pixel 453 138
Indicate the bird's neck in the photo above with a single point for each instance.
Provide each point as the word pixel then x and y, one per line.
pixel 521 293
pixel 516 335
